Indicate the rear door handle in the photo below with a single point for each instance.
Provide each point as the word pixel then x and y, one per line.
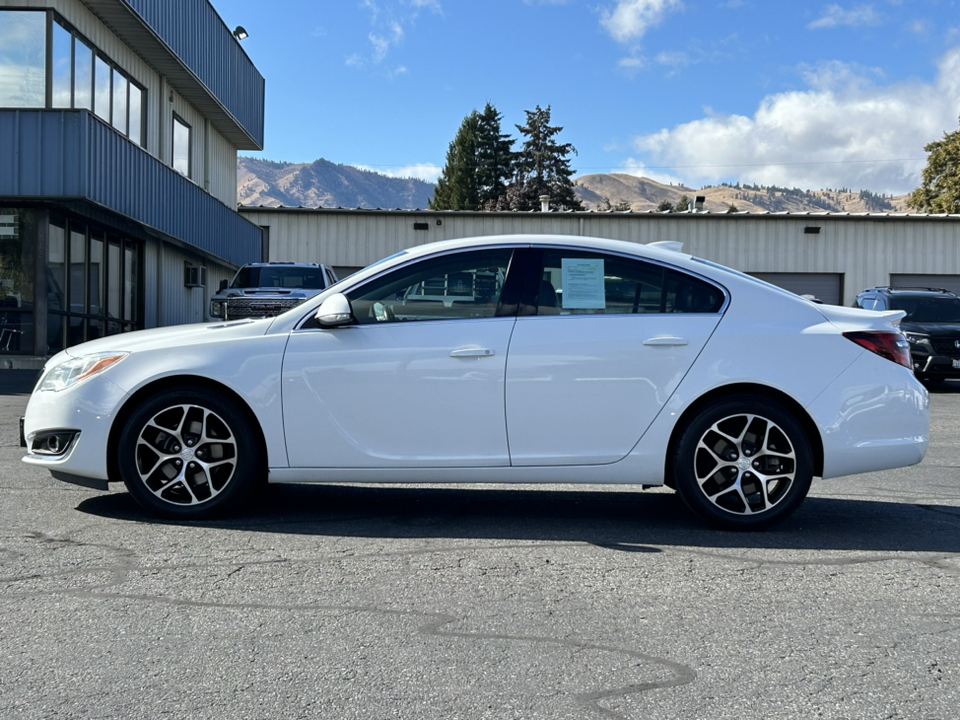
pixel 471 352
pixel 665 340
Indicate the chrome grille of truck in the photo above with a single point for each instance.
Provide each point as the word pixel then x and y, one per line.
pixel 245 307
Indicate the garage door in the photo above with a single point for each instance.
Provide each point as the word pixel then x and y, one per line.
pixel 947 282
pixel 826 287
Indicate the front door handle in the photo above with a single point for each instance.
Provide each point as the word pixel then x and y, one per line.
pixel 665 340
pixel 471 352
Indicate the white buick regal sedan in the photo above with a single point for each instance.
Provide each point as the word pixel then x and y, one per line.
pixel 511 359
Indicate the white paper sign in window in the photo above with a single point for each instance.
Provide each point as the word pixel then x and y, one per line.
pixel 583 284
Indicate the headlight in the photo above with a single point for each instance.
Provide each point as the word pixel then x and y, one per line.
pixel 216 308
pixel 914 339
pixel 69 373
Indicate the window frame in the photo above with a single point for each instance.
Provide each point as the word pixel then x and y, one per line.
pixel 530 301
pixel 179 121
pixel 53 20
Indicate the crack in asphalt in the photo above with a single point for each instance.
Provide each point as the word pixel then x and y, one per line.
pixel 435 624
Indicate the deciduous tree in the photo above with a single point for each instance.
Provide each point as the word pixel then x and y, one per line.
pixel 940 191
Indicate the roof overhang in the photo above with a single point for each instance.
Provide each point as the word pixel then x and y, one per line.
pixel 143 39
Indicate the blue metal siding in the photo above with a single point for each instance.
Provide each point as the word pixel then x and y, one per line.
pixel 70 154
pixel 196 33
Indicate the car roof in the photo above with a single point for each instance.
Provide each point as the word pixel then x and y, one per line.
pixel 284 264
pixel 663 250
pixel 918 291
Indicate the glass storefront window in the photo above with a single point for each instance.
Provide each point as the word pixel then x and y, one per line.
pixel 113 280
pixel 17 243
pixel 130 284
pixel 56 282
pixel 23 42
pixel 95 280
pixel 98 273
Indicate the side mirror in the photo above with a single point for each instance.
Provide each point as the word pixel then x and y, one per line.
pixel 223 285
pixel 335 311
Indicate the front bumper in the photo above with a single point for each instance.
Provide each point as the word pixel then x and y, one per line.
pixel 88 408
pixel 935 366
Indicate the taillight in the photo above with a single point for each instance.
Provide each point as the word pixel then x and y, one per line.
pixel 892 346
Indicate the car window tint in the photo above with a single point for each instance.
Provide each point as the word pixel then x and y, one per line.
pixel 584 283
pixel 453 287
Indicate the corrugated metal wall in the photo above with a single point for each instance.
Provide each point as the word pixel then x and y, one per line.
pixel 221 180
pixel 866 250
pixel 167 301
pixel 62 153
pixel 195 32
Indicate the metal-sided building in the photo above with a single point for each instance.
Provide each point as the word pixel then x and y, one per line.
pixel 830 255
pixel 120 122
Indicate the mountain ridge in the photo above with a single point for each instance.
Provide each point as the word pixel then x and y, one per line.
pixel 325 184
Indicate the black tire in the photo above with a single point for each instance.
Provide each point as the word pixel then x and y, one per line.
pixel 189 454
pixel 743 463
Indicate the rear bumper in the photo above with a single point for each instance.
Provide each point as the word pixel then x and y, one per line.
pixel 881 422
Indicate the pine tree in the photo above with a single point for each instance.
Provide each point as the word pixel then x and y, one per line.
pixel 940 191
pixel 494 156
pixel 457 187
pixel 542 168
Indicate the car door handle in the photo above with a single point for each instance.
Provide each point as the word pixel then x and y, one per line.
pixel 471 352
pixel 665 340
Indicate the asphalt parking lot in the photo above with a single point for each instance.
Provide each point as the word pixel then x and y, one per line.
pixel 482 602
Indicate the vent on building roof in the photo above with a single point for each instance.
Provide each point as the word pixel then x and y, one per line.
pixel 811 230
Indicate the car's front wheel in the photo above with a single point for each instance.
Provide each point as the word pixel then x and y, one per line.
pixel 743 463
pixel 188 454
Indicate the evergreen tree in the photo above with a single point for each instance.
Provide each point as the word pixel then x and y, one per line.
pixel 494 156
pixel 542 168
pixel 683 204
pixel 665 206
pixel 940 191
pixel 457 187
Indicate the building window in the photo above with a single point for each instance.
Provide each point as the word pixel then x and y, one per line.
pixel 93 284
pixel 23 35
pixel 181 146
pixel 17 238
pixel 79 77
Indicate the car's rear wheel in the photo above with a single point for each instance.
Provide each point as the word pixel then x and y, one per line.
pixel 188 454
pixel 743 463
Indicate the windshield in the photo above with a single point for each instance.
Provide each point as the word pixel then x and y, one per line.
pixel 279 276
pixel 928 310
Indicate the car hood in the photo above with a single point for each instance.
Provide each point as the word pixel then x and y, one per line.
pixel 932 329
pixel 171 337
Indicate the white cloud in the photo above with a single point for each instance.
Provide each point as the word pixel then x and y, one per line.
pixel 428 172
pixel 429 4
pixel 389 21
pixel 630 20
pixel 844 131
pixel 835 16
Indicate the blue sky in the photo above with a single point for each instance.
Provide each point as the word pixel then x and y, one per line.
pixel 802 94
